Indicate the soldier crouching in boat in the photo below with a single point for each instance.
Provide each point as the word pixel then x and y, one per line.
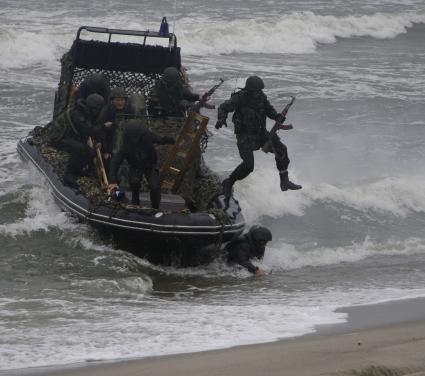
pixel 252 245
pixel 139 151
pixel 251 108
pixel 70 132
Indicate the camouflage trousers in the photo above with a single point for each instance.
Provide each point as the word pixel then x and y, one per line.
pixel 248 143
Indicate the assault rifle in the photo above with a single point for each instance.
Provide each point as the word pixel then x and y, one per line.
pixel 268 146
pixel 203 100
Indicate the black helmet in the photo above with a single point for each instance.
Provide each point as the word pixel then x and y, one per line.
pixel 118 92
pixel 133 130
pixel 260 234
pixel 171 75
pixel 97 81
pixel 95 103
pixel 254 83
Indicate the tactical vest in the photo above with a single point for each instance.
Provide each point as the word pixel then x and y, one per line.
pixel 250 114
pixel 61 127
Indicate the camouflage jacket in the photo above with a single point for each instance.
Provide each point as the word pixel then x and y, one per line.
pixel 170 101
pixel 74 123
pixel 250 112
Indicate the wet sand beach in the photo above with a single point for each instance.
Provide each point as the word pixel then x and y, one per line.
pixel 382 339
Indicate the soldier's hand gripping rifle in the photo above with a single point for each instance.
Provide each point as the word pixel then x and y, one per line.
pixel 205 97
pixel 268 146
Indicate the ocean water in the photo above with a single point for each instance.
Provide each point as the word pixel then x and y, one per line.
pixel 354 234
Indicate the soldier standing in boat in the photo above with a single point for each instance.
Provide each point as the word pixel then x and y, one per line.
pixel 170 97
pixel 112 119
pixel 251 108
pixel 250 246
pixel 139 151
pixel 70 131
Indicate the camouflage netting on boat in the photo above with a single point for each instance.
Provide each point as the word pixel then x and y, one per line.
pixel 199 186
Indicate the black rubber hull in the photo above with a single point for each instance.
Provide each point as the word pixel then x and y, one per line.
pixel 162 236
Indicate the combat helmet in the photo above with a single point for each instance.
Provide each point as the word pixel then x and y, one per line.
pixel 260 234
pixel 97 81
pixel 171 75
pixel 254 83
pixel 118 92
pixel 95 103
pixel 133 130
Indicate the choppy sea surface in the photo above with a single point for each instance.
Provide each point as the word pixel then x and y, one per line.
pixel 353 235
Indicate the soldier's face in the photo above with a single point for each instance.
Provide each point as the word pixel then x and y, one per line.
pixel 119 103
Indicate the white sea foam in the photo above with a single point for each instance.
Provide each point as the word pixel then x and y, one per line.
pixel 40 215
pixel 102 330
pixel 260 194
pixel 298 32
pixel 283 256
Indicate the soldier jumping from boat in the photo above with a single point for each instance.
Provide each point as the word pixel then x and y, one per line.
pixel 251 108
pixel 139 151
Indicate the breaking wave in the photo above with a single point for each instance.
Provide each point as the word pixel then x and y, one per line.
pixel 397 196
pixel 285 256
pixel 297 33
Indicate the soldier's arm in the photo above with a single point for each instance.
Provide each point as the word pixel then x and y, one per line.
pixel 189 96
pixel 228 106
pixel 160 140
pixel 241 254
pixel 270 110
pixel 85 127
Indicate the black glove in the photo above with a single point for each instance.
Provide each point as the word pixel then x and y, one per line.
pixel 168 140
pixel 280 118
pixel 220 123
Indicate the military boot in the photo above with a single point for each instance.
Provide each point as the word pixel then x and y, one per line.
pixel 227 188
pixel 286 184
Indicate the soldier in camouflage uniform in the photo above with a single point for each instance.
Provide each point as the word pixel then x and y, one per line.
pixel 112 117
pixel 251 107
pixel 169 97
pixel 139 151
pixel 70 131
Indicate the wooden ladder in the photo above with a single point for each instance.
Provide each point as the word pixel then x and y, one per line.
pixel 181 155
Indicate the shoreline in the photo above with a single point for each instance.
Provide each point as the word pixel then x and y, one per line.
pixel 389 334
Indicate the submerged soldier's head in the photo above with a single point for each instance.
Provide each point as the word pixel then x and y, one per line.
pixel 171 76
pixel 118 97
pixel 95 103
pixel 254 85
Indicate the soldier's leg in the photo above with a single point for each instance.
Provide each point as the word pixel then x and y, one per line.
pixel 152 176
pixel 80 155
pixel 135 179
pixel 282 162
pixel 243 169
